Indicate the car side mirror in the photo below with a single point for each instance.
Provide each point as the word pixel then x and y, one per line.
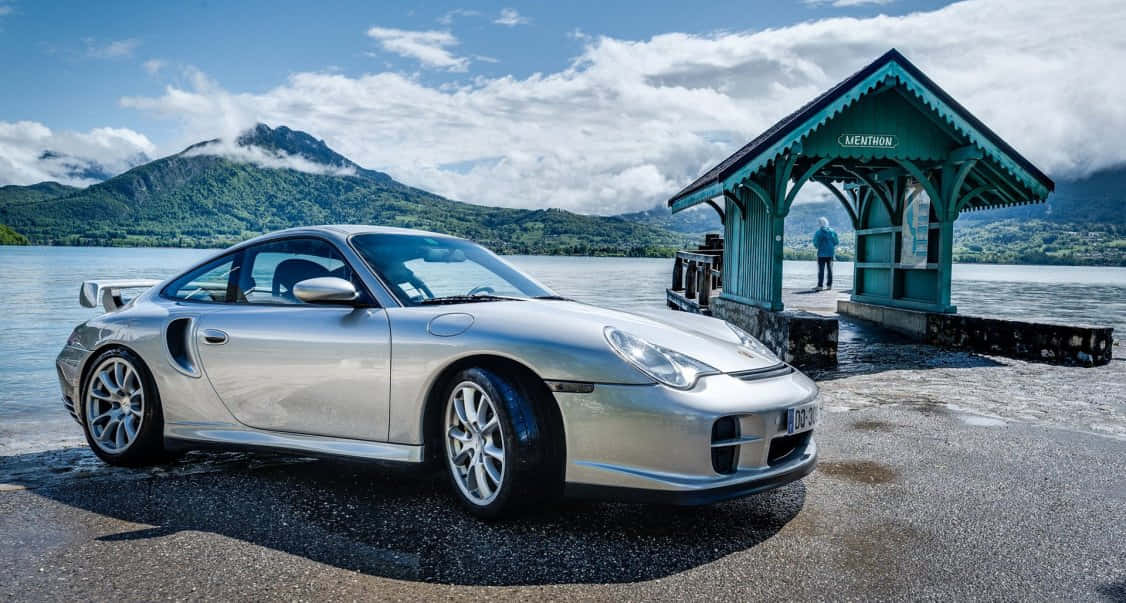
pixel 325 289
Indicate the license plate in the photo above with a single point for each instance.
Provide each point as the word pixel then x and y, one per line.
pixel 801 418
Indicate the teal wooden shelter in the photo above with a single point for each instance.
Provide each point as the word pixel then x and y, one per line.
pixel 902 156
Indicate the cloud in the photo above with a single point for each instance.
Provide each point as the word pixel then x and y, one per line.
pixel 510 18
pixel 448 18
pixel 578 34
pixel 267 158
pixel 428 47
pixel 31 152
pixel 113 50
pixel 206 111
pixel 5 10
pixel 153 66
pixel 847 3
pixel 629 122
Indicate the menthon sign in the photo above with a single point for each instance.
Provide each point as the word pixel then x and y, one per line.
pixel 869 141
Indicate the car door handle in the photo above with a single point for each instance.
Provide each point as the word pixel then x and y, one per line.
pixel 214 336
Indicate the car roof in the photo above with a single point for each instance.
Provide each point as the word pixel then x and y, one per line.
pixel 364 228
pixel 342 231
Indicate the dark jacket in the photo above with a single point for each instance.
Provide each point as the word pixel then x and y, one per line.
pixel 826 241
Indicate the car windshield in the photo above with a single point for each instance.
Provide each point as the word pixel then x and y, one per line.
pixel 422 270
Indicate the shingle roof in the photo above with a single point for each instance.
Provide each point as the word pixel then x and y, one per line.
pixel 788 124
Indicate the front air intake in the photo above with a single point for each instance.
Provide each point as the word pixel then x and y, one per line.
pixel 783 449
pixel 725 432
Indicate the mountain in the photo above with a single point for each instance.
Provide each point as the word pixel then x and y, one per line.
pixel 294 142
pixel 703 219
pixel 216 193
pixel 81 168
pixel 1082 223
pixel 36 192
pixel 697 220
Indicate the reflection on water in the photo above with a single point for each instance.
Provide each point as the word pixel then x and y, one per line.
pixel 39 289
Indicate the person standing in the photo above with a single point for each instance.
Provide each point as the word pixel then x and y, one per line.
pixel 826 241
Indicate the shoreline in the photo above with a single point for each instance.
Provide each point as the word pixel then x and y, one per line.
pixel 572 255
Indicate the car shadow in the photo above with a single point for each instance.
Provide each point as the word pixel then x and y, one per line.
pixel 1114 591
pixel 399 524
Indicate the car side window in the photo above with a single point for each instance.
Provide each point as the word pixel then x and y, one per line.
pixel 270 270
pixel 207 283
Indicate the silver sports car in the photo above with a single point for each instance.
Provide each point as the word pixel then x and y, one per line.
pixel 413 347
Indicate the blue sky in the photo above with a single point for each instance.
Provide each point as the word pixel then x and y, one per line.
pixel 69 75
pixel 597 107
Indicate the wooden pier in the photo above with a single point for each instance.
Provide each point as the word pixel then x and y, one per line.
pixel 697 277
pixel 805 339
pixel 806 333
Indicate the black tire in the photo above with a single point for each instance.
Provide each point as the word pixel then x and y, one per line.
pixel 147 447
pixel 532 443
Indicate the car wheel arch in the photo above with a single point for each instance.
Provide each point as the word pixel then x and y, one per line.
pixel 435 401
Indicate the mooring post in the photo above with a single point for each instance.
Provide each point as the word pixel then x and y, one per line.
pixel 677 274
pixel 705 277
pixel 691 281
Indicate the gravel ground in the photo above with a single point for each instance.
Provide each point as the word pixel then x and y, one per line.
pixel 909 501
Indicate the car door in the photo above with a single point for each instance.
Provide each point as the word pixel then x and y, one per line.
pixel 285 365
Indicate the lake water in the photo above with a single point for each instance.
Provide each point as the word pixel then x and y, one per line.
pixel 39 290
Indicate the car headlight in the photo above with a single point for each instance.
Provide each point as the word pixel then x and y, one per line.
pixel 666 366
pixel 753 345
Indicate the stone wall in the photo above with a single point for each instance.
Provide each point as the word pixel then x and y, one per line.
pixel 1079 345
pixel 909 322
pixel 800 338
pixel 1045 342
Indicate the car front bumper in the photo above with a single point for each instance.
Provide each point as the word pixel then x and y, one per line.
pixel 701 496
pixel 654 443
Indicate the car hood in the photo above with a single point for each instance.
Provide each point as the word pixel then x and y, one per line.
pixel 701 337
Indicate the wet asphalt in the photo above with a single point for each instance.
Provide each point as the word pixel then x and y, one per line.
pixel 911 501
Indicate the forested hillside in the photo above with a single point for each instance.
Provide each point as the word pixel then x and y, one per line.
pixel 11 237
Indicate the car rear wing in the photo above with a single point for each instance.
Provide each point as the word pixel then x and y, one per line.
pixel 108 292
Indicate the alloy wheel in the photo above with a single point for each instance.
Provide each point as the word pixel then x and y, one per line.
pixel 115 405
pixel 474 443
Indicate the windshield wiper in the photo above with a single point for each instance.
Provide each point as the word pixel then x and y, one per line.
pixel 553 297
pixel 465 299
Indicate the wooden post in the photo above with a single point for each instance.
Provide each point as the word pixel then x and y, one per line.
pixel 677 274
pixel 705 276
pixel 945 261
pixel 691 281
pixel 776 227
